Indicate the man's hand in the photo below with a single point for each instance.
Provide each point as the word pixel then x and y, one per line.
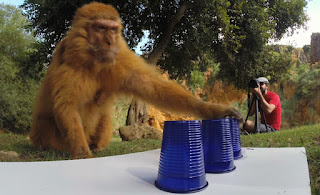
pixel 256 90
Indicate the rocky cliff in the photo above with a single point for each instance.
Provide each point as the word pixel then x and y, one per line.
pixel 315 48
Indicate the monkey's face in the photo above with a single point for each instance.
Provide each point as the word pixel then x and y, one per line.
pixel 103 37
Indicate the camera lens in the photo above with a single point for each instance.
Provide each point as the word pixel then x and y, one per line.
pixel 253 83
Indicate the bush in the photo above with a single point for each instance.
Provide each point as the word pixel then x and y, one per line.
pixel 19 67
pixel 196 80
pixel 16 98
pixel 301 106
pixel 16 102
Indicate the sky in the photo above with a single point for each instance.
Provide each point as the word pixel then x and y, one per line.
pixel 300 38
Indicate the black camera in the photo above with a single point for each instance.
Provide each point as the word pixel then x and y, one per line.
pixel 253 83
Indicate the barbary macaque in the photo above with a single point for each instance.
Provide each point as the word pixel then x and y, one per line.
pixel 91 66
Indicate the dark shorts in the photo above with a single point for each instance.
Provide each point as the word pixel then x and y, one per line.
pixel 264 129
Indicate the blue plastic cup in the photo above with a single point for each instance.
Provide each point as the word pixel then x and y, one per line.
pixel 217 146
pixel 181 167
pixel 235 137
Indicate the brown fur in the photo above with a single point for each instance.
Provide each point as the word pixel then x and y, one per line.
pixel 72 110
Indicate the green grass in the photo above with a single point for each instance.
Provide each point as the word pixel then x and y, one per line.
pixel 306 136
pixel 21 145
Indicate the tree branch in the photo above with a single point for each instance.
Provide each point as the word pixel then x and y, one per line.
pixel 166 35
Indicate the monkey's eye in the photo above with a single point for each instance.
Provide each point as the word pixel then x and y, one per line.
pixel 102 27
pixel 115 30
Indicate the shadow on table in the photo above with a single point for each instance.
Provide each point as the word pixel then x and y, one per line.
pixel 146 174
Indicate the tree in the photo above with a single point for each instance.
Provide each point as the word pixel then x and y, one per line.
pixel 15 40
pixel 18 43
pixel 17 88
pixel 261 21
pixel 235 32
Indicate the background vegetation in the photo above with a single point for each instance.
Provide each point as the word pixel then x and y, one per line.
pixel 24 58
pixel 216 46
pixel 19 76
pixel 233 32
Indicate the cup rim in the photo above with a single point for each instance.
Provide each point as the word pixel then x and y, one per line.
pixel 216 120
pixel 186 121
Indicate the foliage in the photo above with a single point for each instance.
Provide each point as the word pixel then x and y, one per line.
pixel 17 84
pixel 14 39
pixel 204 72
pixel 196 80
pixel 245 57
pixel 306 80
pixel 234 31
pixel 17 43
pixel 273 64
pixel 309 84
pixel 299 92
pixel 16 102
pixel 307 49
pixel 33 64
pixel 16 98
pixel 289 113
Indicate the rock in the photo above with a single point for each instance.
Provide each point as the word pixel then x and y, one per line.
pixel 135 132
pixel 8 156
pixel 315 48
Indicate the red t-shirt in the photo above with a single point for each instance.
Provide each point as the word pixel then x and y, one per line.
pixel 274 118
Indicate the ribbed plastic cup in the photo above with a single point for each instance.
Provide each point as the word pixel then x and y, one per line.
pixel 181 167
pixel 235 137
pixel 217 146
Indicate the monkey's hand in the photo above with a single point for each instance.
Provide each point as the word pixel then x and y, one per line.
pixel 80 153
pixel 218 111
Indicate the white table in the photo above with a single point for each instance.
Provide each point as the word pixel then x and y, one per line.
pixel 262 171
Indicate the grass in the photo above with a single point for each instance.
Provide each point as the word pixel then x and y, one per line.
pixel 21 145
pixel 306 136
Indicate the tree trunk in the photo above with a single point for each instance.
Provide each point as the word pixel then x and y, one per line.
pixel 138 112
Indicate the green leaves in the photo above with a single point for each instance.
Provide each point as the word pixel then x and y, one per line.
pixel 309 84
pixel 235 32
pixel 14 39
pixel 17 86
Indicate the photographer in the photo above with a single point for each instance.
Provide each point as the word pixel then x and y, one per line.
pixel 270 104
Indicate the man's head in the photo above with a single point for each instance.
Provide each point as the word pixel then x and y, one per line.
pixel 264 84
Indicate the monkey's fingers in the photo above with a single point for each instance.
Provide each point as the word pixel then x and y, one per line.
pixel 81 153
pixel 236 114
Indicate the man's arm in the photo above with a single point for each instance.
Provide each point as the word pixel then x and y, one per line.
pixel 253 107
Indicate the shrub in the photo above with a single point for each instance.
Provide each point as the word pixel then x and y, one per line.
pixel 16 98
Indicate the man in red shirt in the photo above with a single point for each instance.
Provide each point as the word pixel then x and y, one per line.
pixel 270 104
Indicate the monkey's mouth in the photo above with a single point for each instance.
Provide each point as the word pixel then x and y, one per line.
pixel 105 55
pixel 101 49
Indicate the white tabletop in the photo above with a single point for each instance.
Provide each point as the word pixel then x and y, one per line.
pixel 262 171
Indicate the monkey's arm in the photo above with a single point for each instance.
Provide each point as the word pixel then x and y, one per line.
pixel 144 83
pixel 66 96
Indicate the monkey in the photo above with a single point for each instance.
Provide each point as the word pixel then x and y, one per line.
pixel 91 66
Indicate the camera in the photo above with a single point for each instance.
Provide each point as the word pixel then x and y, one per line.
pixel 253 83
